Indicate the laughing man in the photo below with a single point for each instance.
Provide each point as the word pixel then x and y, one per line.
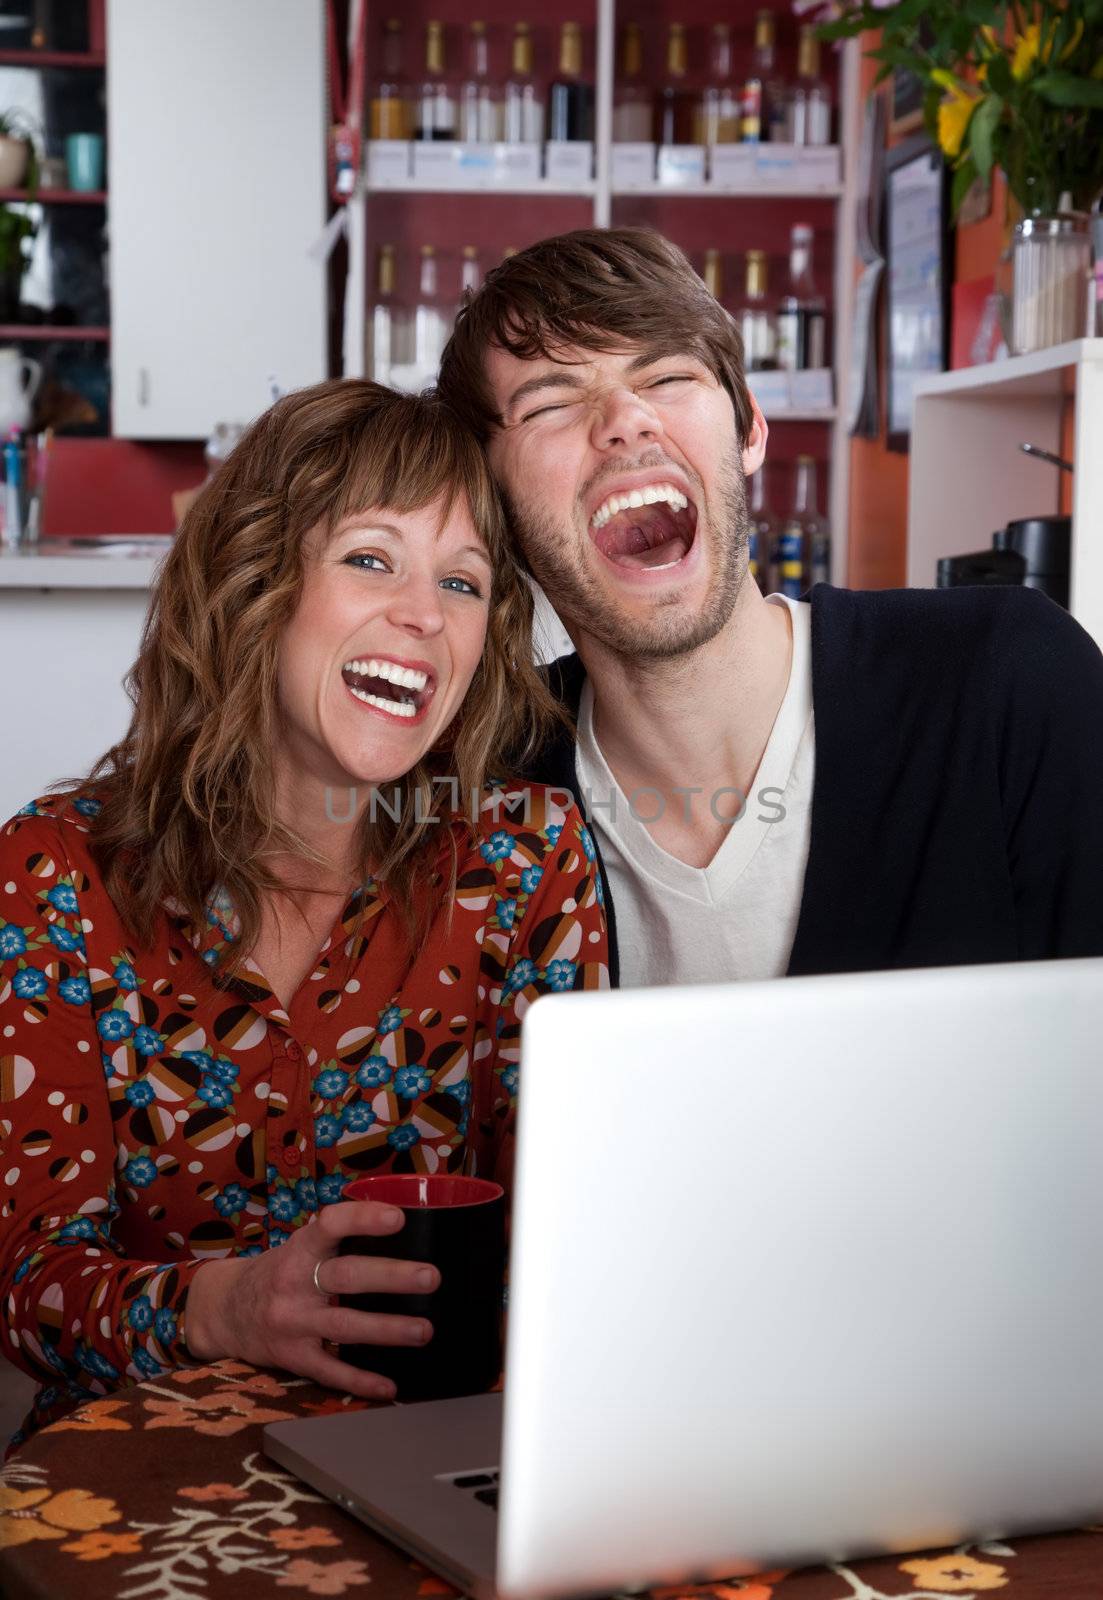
pixel 847 782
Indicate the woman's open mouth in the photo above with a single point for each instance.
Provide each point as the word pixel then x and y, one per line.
pixel 397 689
pixel 648 529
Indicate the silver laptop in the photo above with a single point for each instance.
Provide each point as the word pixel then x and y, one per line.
pixel 800 1270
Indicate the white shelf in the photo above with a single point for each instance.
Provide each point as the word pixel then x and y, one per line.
pixel 968 477
pixel 652 191
pixel 1040 373
pixel 109 563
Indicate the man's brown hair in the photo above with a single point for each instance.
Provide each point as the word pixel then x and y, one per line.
pixel 592 289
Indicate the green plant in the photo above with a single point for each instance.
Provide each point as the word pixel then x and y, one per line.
pixel 1014 84
pixel 16 230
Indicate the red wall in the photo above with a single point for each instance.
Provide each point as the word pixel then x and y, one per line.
pixel 116 486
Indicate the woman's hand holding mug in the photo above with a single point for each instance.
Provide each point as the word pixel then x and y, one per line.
pixel 278 1309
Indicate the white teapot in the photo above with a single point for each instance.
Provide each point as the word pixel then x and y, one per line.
pixel 16 390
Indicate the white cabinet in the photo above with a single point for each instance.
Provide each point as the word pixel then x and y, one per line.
pixel 968 476
pixel 217 138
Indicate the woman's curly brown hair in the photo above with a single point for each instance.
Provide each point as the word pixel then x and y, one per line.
pixel 187 795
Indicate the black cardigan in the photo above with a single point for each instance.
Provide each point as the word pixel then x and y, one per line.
pixel 957 812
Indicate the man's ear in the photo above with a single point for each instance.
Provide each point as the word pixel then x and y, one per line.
pixel 754 448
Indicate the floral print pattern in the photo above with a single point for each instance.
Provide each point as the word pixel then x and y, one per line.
pixel 157 1111
pixel 225 1523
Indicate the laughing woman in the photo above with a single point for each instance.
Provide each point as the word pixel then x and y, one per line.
pixel 262 950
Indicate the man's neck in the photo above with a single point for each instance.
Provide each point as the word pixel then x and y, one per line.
pixel 700 721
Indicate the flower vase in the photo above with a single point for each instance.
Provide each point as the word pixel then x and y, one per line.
pixel 1052 259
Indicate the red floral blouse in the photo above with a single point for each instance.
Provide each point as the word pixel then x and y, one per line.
pixel 158 1113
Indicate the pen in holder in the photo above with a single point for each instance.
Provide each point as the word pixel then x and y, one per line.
pixel 25 462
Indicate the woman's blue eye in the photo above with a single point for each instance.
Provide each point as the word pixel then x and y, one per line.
pixel 361 559
pixel 460 586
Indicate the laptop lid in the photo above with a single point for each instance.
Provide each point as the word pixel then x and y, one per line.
pixel 802 1270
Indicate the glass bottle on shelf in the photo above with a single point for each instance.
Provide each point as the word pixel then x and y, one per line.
pixel 431 325
pixel 480 108
pixel 774 97
pixel 802 316
pixel 714 275
pixel 436 105
pixel 523 110
pixel 756 322
pixel 809 119
pixel 383 325
pixel 389 105
pixel 762 533
pixel 804 548
pixel 632 112
pixel 676 120
pixel 750 112
pixel 719 114
pixel 470 276
pixel 570 100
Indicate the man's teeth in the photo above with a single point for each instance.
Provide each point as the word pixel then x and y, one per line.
pixel 653 493
pixel 391 672
pixel 397 708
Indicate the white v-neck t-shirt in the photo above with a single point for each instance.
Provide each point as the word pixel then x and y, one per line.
pixel 737 917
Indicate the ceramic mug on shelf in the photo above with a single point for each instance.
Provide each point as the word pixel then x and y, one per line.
pixel 14 156
pixel 84 158
pixel 16 390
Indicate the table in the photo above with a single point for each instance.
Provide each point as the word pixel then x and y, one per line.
pixel 163 1492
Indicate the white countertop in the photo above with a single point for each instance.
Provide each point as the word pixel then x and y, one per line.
pixel 124 562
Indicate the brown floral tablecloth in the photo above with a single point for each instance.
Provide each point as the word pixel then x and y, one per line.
pixel 164 1493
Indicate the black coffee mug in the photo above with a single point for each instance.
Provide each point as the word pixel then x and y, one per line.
pixel 458 1225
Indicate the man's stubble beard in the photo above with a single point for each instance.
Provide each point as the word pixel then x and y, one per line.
pixel 667 632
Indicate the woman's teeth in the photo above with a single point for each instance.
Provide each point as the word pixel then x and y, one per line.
pixel 405 686
pixel 397 708
pixel 651 495
pixel 390 672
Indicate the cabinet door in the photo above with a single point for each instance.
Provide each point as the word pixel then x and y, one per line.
pixel 216 132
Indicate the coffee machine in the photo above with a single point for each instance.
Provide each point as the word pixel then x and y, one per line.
pixel 1034 552
pixel 1031 551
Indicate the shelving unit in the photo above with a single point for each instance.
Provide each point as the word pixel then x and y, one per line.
pixel 54 197
pixel 694 217
pixel 80 205
pixel 69 59
pixel 46 332
pixel 968 476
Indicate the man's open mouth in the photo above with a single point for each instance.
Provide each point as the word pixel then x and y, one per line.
pixel 649 528
pixel 400 691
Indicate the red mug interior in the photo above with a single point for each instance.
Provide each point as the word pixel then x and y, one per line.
pixel 423 1191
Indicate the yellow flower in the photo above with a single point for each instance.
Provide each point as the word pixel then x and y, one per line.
pixel 1026 51
pixel 953 119
pixel 952 1574
pixel 37 1514
pixel 1029 48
